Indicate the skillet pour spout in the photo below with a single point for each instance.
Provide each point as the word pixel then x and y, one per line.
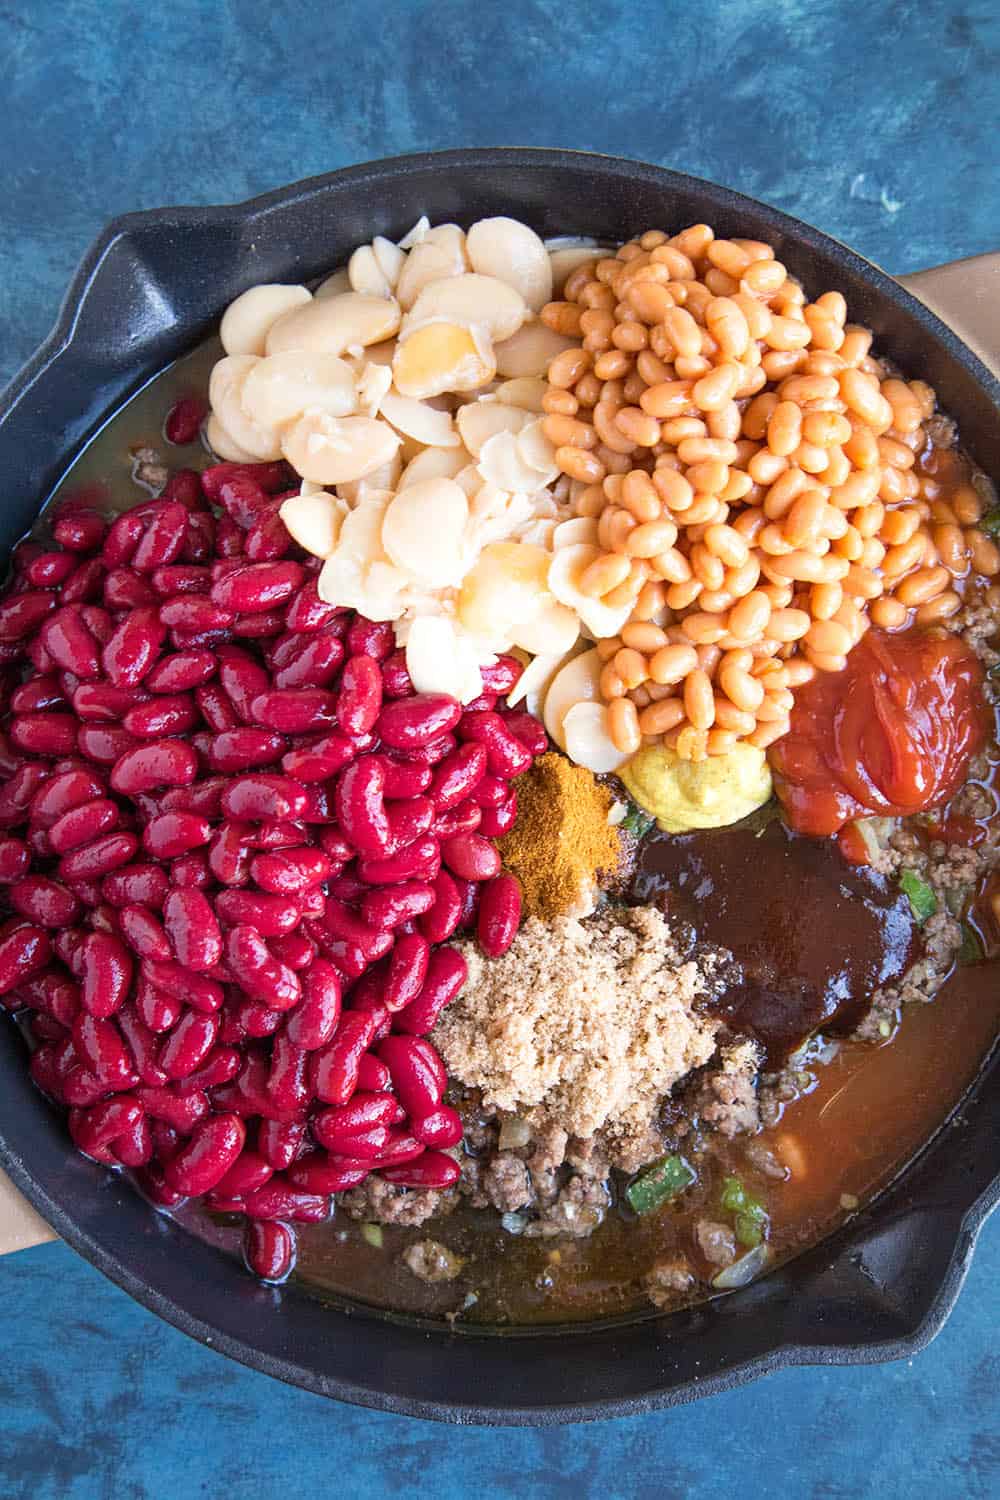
pixel 152 286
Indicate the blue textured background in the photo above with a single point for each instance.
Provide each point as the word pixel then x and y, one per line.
pixel 877 123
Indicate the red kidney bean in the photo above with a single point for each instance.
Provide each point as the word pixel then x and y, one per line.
pixel 407 821
pixel 411 723
pixel 396 904
pixel 360 807
pixel 269 477
pixel 484 701
pixel 96 1127
pixel 221 1065
pixel 242 498
pixel 134 1148
pixel 502 675
pixel 150 1181
pixel 248 1172
pixel 279 1141
pixel 183 1112
pixel 267 539
pixel 161 716
pixel 465 818
pixel 258 586
pixel 433 1170
pixel 180 984
pixel 140 884
pixel 180 672
pixel 259 973
pixel 375 638
pixel 428 755
pixel 206 1158
pixel 405 779
pixel 407 971
pixel 216 707
pixel 163 540
pixel 14 859
pixel 396 681
pixel 49 569
pixel 123 536
pixel 98 858
pixel 71 644
pixel 356 1145
pixel 48 734
pixel 402 1148
pixel 105 974
pixel 293 949
pixel 240 749
pixel 99 1045
pixel 174 833
pixel 184 485
pixel 269 1249
pixel 295 710
pixel 134 647
pixel 321 759
pixel 187 1046
pixel 440 1129
pixel 313 663
pixel 256 1019
pixel 470 856
pixel 228 543
pixel 418 1075
pixel 287 1080
pixel 195 614
pixel 79 530
pixel 184 420
pixel 159 763
pixel 444 916
pixel 83 824
pixel 104 743
pixel 277 1201
pixel 272 916
pixel 308 613
pixel 156 1009
pixel 506 755
pixel 260 798
pixel 21 614
pixel 446 973
pixel 314 1020
pixel 61 793
pixel 102 917
pixel 319 1173
pixel 102 703
pixel 419 860
pixel 125 590
pixel 457 776
pixel 499 915
pixel 373 1075
pixel 527 729
pixel 142 1045
pixel 333 1070
pixel 16 797
pixel 44 901
pixel 343 924
pixel 190 872
pixel 80 1088
pixel 192 930
pixel 243 679
pixel 496 821
pixel 43 1073
pixel 360 697
pixel 286 872
pixel 37 695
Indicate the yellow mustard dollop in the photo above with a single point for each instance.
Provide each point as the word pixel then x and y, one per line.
pixel 686 794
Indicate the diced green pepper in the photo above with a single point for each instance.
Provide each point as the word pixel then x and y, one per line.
pixel 991 521
pixel 659 1183
pixel 751 1217
pixel 971 951
pixel 637 821
pixel 923 902
pixel 372 1235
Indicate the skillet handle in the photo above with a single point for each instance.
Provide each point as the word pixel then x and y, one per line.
pixel 965 294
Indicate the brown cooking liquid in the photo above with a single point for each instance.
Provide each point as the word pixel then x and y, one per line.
pixel 814 937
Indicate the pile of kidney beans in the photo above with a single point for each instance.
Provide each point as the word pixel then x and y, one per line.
pixel 233 844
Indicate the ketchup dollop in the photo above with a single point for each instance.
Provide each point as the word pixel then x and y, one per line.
pixel 890 735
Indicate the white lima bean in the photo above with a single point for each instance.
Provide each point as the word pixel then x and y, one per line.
pixel 334 285
pixel 281 387
pixel 335 450
pixel 576 682
pixel 504 590
pixel 247 321
pixel 530 351
pixel 424 529
pixel 434 463
pixel 440 659
pixel 225 392
pixel 568 564
pixel 366 275
pixel 509 250
pixel 478 421
pixel 526 391
pixel 358 574
pixel 470 301
pixel 314 521
pixel 551 632
pixel 350 321
pixel 223 446
pixel 424 424
pixel 587 741
pixel 439 255
pixel 442 357
pixel 534 681
pixel 565 255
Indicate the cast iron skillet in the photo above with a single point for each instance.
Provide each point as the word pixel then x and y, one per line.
pixel 152 286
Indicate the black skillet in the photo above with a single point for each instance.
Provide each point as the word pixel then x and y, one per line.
pixel 154 285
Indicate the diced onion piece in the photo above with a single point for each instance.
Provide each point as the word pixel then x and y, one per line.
pixel 435 463
pixel 478 421
pixel 744 1270
pixel 577 682
pixel 333 450
pixel 415 419
pixel 587 741
pixel 334 324
pixel 526 392
pixel 440 661
pixel 223 446
pixel 504 589
pixel 280 388
pixel 225 392
pixel 442 357
pixel 531 350
pixel 553 631
pixel 509 250
pixel 469 300
pixel 514 1133
pixel 423 531
pixel 314 521
pixel 245 322
pixel 568 564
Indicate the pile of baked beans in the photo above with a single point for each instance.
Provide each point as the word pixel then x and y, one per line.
pixel 752 469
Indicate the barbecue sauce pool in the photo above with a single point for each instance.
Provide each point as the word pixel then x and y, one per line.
pixel 778 901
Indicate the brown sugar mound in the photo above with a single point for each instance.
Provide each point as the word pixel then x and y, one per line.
pixel 584 1025
pixel 562 840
